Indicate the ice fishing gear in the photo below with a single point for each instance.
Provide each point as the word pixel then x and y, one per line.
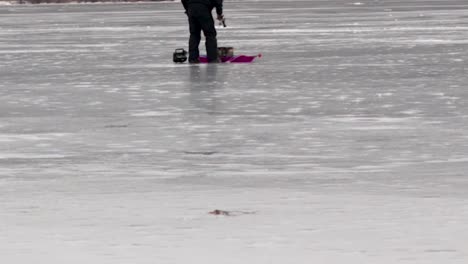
pixel 179 56
pixel 225 51
pixel 233 59
pixel 222 21
pixel 225 55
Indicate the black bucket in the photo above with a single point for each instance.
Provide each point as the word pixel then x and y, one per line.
pixel 179 56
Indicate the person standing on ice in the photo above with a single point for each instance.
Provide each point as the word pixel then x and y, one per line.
pixel 201 19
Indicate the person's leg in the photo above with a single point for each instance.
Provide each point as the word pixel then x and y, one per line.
pixel 195 37
pixel 209 30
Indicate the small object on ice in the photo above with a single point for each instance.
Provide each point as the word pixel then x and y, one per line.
pixel 219 212
pixel 226 51
pixel 229 213
pixel 179 56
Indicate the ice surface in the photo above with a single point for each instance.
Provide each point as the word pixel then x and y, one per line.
pixel 348 138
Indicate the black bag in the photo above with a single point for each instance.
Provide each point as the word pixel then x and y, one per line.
pixel 179 56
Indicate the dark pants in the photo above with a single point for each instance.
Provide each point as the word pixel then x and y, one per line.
pixel 201 19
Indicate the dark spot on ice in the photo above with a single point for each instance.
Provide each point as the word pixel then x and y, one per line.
pixel 229 213
pixel 219 212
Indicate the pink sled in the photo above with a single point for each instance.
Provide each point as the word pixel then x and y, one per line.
pixel 233 59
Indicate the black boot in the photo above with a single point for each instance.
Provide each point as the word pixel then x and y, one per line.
pixel 194 61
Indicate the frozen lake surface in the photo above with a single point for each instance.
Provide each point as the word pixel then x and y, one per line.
pixel 347 142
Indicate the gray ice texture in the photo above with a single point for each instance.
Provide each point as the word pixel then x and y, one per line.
pixel 347 141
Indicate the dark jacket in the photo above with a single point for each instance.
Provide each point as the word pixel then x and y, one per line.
pixel 218 4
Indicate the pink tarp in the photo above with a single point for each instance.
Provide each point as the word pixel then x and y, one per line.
pixel 234 59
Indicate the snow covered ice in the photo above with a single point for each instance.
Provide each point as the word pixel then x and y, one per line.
pixel 347 141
